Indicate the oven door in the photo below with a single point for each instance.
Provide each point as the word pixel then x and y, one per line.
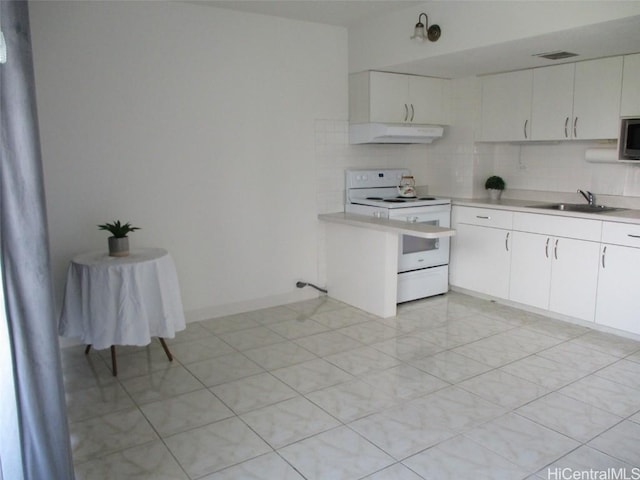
pixel 416 253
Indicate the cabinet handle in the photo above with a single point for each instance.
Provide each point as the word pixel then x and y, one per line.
pixel 483 217
pixel 633 236
pixel 555 249
pixel 406 112
pixel 604 254
pixel 546 248
pixel 412 112
pixel 575 127
pixel 524 129
pixel 506 241
pixel 566 126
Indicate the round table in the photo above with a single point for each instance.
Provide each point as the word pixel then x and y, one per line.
pixel 112 301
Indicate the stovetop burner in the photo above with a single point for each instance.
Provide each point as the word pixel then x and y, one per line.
pixel 401 199
pixel 379 189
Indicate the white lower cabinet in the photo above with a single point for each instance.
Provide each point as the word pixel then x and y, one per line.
pixel 482 260
pixel 530 269
pixel 580 268
pixel 481 252
pixel 618 300
pixel 553 273
pixel 574 278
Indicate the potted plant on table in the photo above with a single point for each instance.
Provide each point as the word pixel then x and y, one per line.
pixel 119 241
pixel 495 185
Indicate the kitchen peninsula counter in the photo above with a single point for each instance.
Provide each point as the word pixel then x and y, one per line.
pixel 401 227
pixel 362 258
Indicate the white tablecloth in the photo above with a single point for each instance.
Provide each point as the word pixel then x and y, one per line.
pixel 121 300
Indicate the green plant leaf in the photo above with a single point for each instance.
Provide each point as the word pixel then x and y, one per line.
pixel 117 229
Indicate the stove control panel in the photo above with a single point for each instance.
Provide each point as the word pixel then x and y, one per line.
pixel 371 178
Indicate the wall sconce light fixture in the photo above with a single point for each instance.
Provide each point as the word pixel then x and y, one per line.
pixel 423 31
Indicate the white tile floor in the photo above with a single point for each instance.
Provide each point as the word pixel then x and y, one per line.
pixel 452 388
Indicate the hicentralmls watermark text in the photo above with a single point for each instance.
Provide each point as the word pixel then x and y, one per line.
pixel 593 474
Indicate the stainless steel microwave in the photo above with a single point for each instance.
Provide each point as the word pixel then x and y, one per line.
pixel 629 140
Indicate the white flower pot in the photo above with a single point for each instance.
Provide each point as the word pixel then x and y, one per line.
pixel 494 194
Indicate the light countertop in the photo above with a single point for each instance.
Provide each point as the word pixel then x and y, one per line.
pixel 623 215
pixel 422 230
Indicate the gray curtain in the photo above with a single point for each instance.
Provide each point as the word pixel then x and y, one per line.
pixel 29 306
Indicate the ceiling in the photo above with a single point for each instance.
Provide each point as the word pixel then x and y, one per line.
pixel 342 13
pixel 605 39
pixel 619 37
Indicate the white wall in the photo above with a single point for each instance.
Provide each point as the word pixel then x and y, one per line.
pixel 195 123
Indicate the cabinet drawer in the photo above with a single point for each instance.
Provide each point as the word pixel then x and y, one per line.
pixel 626 234
pixel 558 226
pixel 486 217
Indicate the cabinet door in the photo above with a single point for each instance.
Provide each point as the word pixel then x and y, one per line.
pixel 531 269
pixel 618 302
pixel 630 101
pixel 480 260
pixel 506 106
pixel 429 100
pixel 596 98
pixel 388 94
pixel 574 278
pixel 552 105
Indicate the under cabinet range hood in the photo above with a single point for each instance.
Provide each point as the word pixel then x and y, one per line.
pixel 392 133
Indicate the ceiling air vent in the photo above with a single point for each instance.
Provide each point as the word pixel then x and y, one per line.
pixel 556 55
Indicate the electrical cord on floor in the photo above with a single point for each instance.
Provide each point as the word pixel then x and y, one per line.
pixel 304 284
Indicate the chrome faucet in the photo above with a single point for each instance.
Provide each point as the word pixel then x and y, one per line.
pixel 589 197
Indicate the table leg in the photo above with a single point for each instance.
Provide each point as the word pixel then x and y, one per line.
pixel 113 360
pixel 166 349
pixel 86 350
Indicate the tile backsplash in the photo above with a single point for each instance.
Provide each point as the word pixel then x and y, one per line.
pixel 334 155
pixel 562 168
pixel 455 166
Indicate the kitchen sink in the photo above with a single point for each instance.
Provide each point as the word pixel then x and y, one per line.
pixel 576 207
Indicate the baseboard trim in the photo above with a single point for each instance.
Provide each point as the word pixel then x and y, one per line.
pixel 215 311
pixel 548 313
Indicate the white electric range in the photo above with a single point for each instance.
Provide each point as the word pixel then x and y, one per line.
pixel 423 264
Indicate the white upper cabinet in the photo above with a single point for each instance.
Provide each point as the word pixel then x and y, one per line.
pixel 574 101
pixel 389 98
pixel 395 98
pixel 578 101
pixel 430 100
pixel 552 105
pixel 630 100
pixel 506 107
pixel 596 99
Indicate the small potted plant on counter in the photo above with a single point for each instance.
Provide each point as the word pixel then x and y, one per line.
pixel 494 185
pixel 119 241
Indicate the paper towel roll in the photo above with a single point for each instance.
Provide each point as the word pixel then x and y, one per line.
pixel 602 155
